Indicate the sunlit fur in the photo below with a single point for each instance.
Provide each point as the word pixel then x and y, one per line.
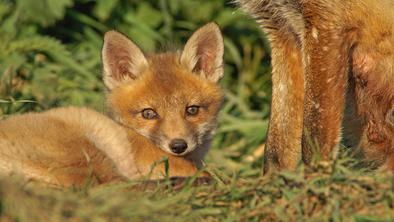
pixel 167 83
pixel 169 88
pixel 328 55
pixel 69 146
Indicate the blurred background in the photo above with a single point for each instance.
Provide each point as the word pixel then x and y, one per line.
pixel 50 57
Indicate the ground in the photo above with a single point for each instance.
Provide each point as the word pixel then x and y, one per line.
pixel 50 57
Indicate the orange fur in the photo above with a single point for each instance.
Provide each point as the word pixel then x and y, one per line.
pixel 328 55
pixel 65 146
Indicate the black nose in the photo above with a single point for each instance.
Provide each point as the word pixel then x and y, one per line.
pixel 178 146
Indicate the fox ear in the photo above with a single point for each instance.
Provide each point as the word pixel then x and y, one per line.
pixel 203 52
pixel 122 59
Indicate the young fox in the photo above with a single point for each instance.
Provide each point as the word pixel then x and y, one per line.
pixel 327 54
pixel 162 105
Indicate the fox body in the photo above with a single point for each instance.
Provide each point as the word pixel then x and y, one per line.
pixel 329 56
pixel 161 105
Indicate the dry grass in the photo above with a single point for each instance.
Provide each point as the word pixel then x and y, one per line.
pixel 323 192
pixel 51 58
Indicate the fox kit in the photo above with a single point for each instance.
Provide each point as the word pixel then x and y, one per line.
pixel 328 55
pixel 162 105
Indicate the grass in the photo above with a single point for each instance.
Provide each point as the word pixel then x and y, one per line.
pixel 322 192
pixel 50 57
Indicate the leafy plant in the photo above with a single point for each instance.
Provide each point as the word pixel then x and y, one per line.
pixel 50 56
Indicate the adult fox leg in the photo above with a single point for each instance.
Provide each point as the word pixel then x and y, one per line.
pixel 283 147
pixel 325 50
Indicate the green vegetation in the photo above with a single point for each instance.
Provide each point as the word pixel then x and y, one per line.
pixel 50 56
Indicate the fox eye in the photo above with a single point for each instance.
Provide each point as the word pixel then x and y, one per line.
pixel 149 114
pixel 390 117
pixel 192 110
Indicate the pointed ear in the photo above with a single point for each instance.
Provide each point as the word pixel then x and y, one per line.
pixel 203 52
pixel 122 59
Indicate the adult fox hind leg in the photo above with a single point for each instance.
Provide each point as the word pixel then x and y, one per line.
pixel 309 78
pixel 340 42
pixel 283 148
pixel 340 45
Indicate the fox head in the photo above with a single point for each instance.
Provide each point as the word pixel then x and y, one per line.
pixel 372 66
pixel 171 98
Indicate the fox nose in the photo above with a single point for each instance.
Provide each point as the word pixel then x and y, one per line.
pixel 178 146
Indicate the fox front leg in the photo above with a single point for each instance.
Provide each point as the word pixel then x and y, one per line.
pixel 283 147
pixel 325 51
